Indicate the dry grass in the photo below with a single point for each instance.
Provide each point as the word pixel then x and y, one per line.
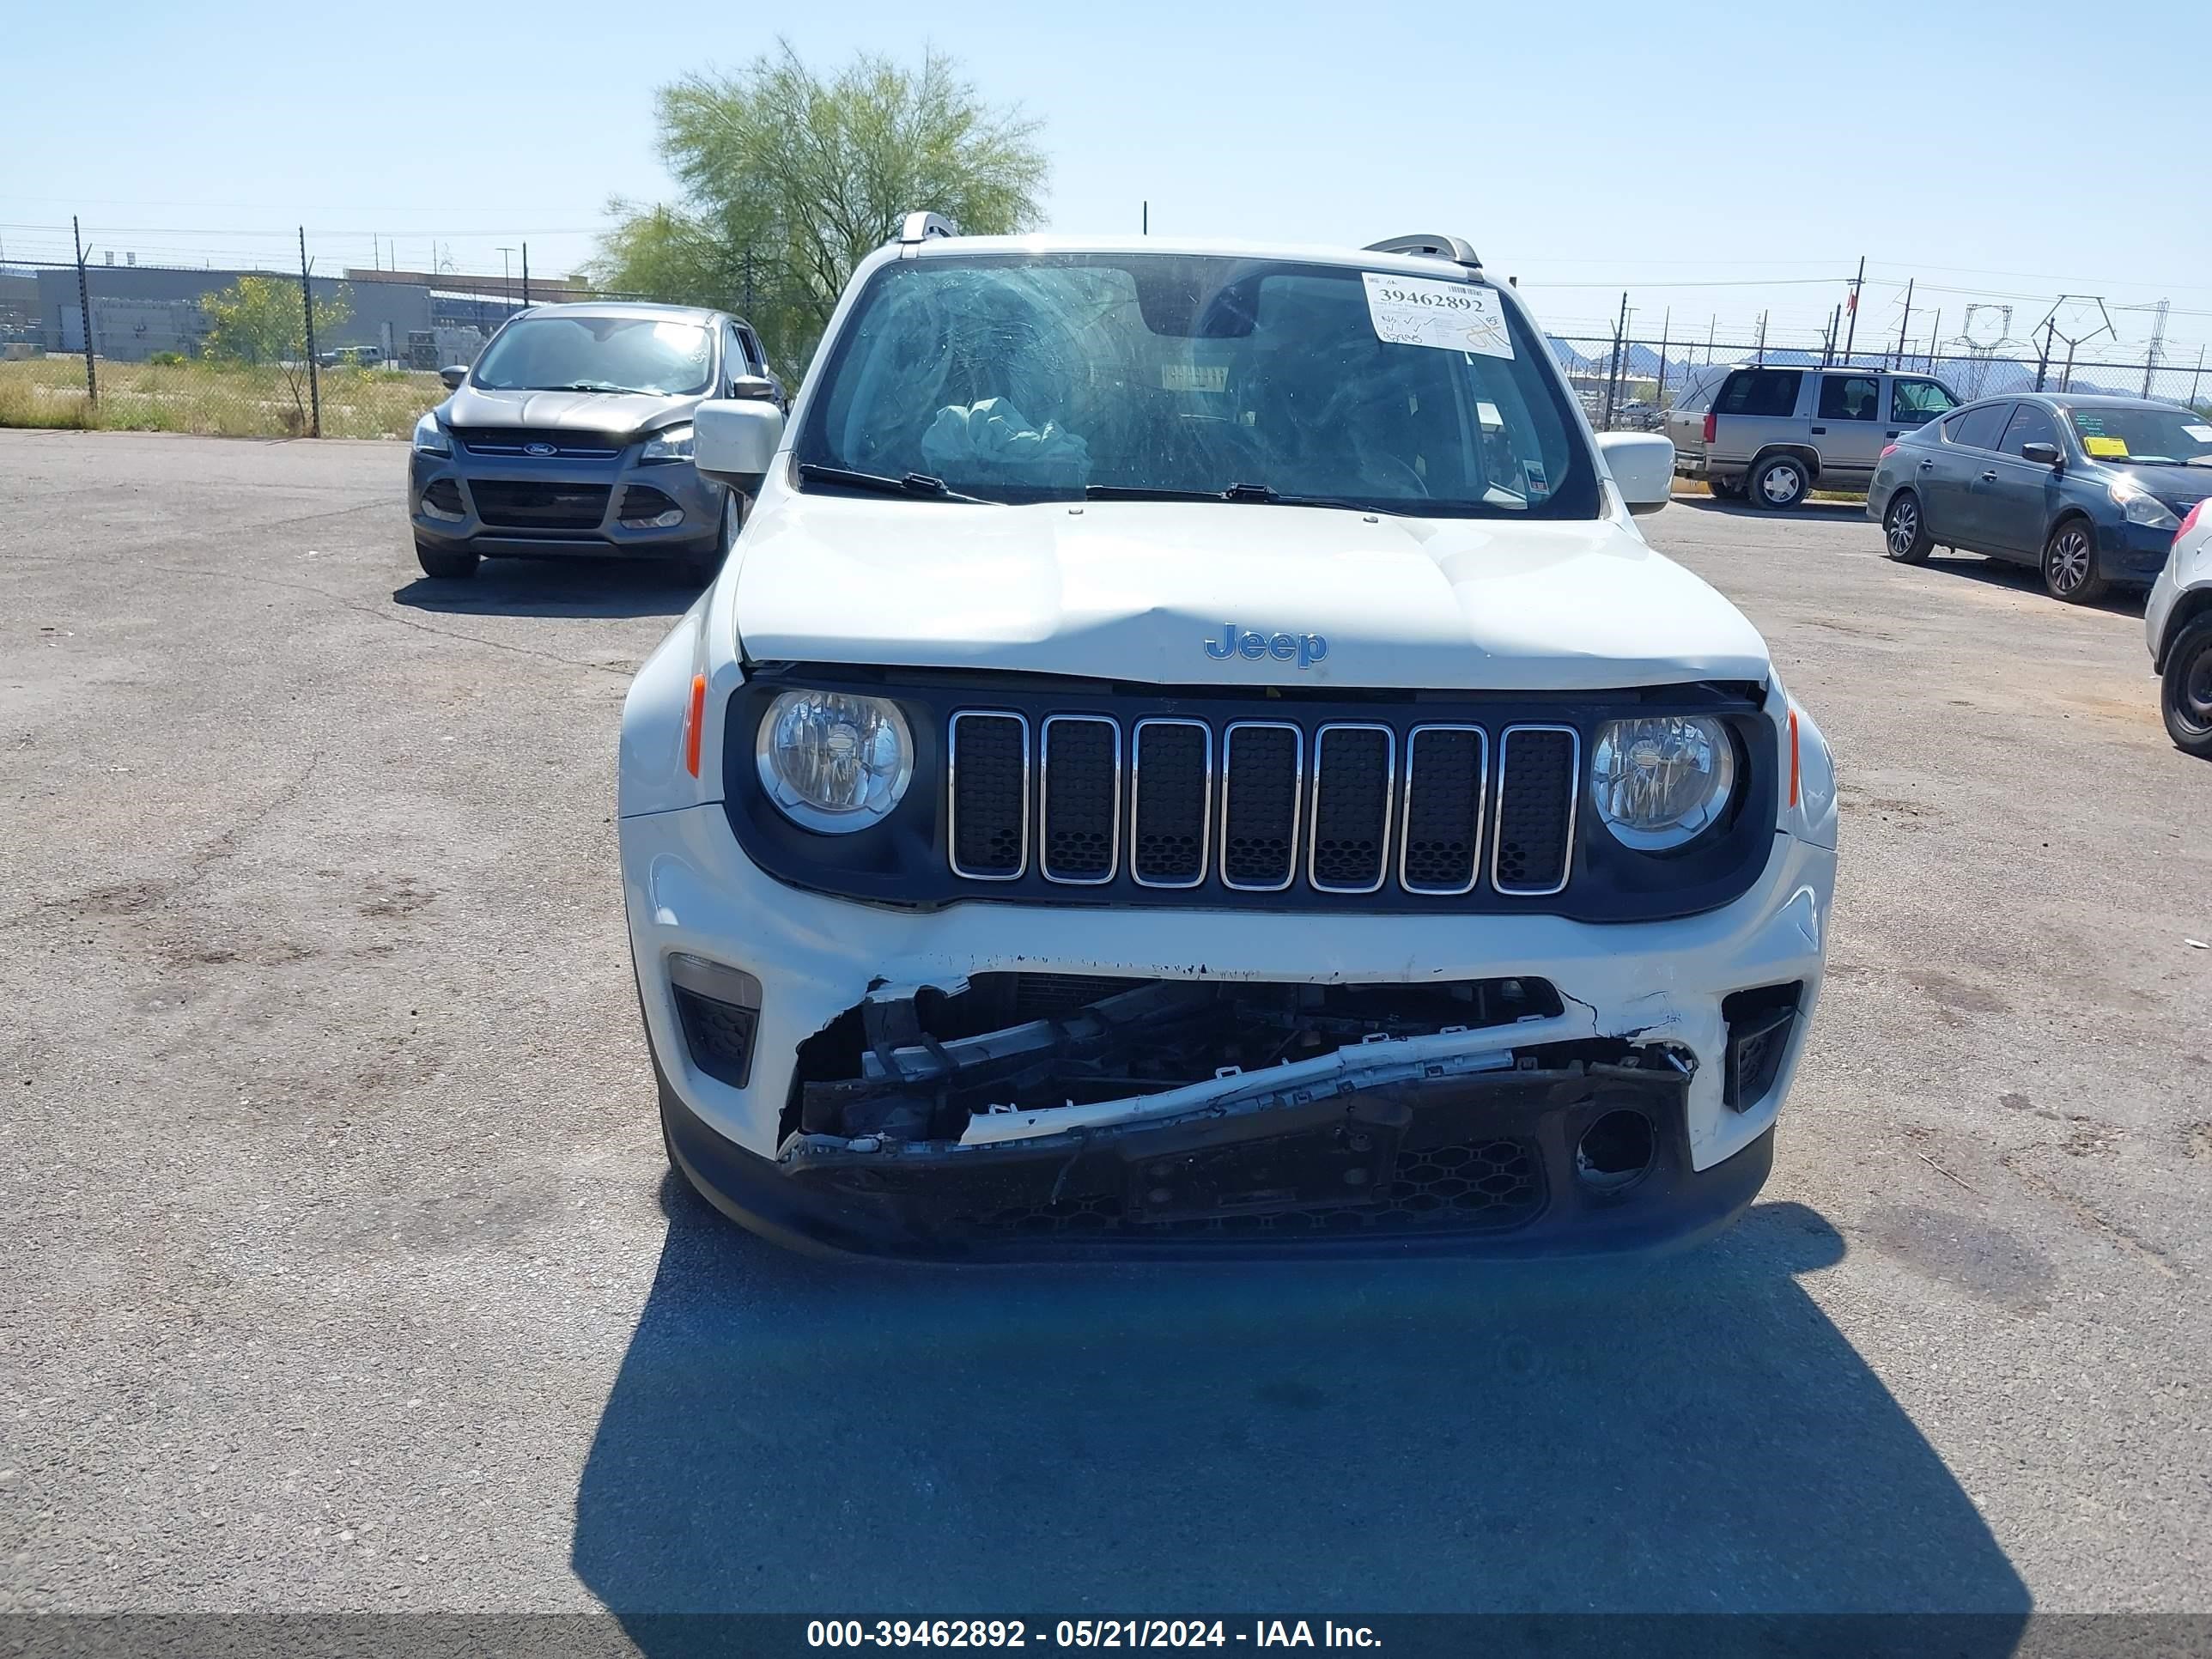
pixel 224 400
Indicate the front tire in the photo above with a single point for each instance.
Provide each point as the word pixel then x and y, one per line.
pixel 703 566
pixel 2186 692
pixel 1905 535
pixel 2069 564
pixel 447 564
pixel 1726 489
pixel 1780 484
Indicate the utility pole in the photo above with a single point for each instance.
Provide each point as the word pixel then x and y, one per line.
pixel 1613 368
pixel 1828 339
pixel 507 278
pixel 1934 335
pixel 2195 377
pixel 84 313
pixel 1857 282
pixel 1711 329
pixel 2157 343
pixel 1907 323
pixel 307 307
pixel 526 273
pixel 2043 362
pixel 1145 219
pixel 1665 328
pixel 1762 339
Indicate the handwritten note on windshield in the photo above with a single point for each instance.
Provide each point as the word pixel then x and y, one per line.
pixel 1448 316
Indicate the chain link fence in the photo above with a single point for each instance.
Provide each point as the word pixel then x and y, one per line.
pixel 1630 384
pixel 245 349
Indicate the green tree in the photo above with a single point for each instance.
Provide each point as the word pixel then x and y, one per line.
pixel 789 178
pixel 260 320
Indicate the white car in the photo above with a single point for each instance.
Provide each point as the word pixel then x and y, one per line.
pixel 1191 752
pixel 2178 624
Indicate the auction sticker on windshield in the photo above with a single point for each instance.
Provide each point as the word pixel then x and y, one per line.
pixel 1449 316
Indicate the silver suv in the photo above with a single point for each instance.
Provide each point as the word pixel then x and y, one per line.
pixel 1774 433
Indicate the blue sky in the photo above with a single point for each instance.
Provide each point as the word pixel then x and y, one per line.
pixel 1711 158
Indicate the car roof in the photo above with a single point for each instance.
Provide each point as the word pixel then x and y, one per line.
pixel 1329 253
pixel 627 308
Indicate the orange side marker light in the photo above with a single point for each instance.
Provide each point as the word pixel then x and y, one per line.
pixel 1792 757
pixel 696 718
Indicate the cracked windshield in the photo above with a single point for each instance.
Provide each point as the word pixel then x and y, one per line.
pixel 1171 376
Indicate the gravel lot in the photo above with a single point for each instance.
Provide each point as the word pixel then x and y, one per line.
pixel 341 1272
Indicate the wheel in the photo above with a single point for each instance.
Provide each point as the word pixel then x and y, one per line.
pixel 446 563
pixel 1779 483
pixel 1903 533
pixel 1726 489
pixel 705 564
pixel 2186 693
pixel 2069 564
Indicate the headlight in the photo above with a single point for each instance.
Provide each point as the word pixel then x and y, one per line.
pixel 430 438
pixel 671 443
pixel 2144 508
pixel 834 763
pixel 1659 783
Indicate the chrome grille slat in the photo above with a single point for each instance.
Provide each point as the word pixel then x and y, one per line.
pixel 1252 851
pixel 1068 811
pixel 1160 826
pixel 1529 798
pixel 1335 822
pixel 1434 809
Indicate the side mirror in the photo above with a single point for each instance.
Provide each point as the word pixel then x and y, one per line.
pixel 1642 467
pixel 753 388
pixel 2042 454
pixel 734 440
pixel 453 374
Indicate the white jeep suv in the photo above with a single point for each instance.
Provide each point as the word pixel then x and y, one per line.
pixel 1191 753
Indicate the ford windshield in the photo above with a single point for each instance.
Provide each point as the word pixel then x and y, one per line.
pixel 1172 376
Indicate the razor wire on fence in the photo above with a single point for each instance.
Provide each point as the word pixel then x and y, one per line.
pixel 248 349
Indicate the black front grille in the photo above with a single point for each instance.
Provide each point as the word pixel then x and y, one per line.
pixel 1536 809
pixel 1480 1185
pixel 1333 793
pixel 538 441
pixel 512 505
pixel 990 796
pixel 1260 768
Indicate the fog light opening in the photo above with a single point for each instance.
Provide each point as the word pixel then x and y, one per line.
pixel 667 520
pixel 1615 1152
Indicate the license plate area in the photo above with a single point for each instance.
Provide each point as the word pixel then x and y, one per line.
pixel 1338 1164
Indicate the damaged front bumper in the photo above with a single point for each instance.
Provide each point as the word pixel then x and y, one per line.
pixel 1473 1135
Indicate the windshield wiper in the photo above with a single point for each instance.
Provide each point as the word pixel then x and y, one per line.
pixel 601 386
pixel 1262 493
pixel 912 483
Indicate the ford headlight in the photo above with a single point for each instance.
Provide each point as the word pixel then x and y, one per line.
pixel 1661 783
pixel 834 761
pixel 671 443
pixel 430 438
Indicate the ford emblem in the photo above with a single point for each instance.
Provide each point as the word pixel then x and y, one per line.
pixel 539 449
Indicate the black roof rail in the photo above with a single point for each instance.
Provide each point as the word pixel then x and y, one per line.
pixel 918 227
pixel 1431 245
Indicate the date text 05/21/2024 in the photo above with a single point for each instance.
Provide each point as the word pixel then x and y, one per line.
pixel 1085 1633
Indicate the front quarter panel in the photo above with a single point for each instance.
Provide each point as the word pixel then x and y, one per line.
pixel 654 770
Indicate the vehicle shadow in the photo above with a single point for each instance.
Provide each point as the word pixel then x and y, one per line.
pixel 1687 1435
pixel 1746 510
pixel 557 587
pixel 2026 579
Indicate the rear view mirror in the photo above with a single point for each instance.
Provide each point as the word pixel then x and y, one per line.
pixel 734 441
pixel 1642 467
pixel 453 374
pixel 2041 454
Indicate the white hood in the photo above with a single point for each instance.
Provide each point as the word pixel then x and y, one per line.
pixel 1134 590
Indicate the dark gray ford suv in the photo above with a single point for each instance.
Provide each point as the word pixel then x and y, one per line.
pixel 571 433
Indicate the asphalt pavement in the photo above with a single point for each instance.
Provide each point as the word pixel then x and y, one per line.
pixel 343 1272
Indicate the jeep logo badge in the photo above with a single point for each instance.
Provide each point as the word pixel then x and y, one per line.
pixel 1303 649
pixel 539 449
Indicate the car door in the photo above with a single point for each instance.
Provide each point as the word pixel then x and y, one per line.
pixel 2011 495
pixel 1756 407
pixel 1969 460
pixel 1945 472
pixel 1847 427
